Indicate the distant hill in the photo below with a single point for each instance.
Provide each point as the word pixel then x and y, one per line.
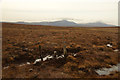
pixel 97 24
pixel 68 23
pixel 59 23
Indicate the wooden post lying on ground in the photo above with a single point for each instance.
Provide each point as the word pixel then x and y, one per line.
pixel 40 52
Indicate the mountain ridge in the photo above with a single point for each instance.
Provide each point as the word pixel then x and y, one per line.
pixel 68 23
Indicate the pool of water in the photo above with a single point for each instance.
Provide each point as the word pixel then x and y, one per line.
pixel 107 71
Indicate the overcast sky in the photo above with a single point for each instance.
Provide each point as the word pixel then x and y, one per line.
pixel 80 11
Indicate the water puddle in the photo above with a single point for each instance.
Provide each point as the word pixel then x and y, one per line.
pixel 48 57
pixel 6 67
pixel 107 71
pixel 116 50
pixel 109 45
pixel 21 65
pixel 58 57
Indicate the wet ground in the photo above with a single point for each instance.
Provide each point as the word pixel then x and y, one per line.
pixel 88 49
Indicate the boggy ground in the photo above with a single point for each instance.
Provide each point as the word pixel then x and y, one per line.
pixel 20 45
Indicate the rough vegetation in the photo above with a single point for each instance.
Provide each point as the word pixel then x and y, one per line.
pixel 21 45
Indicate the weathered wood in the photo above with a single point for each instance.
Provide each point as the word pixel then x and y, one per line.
pixel 64 47
pixel 40 52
